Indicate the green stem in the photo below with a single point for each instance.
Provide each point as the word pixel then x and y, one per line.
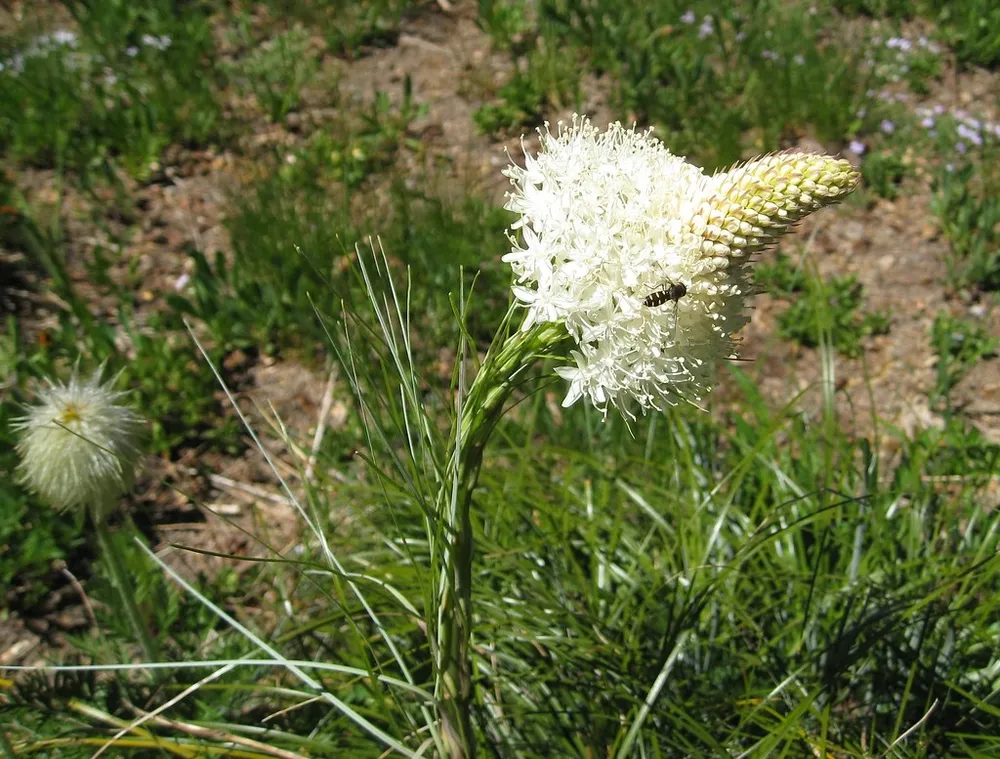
pixel 484 407
pixel 120 579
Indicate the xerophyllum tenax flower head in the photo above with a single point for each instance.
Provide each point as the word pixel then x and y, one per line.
pixel 644 257
pixel 80 444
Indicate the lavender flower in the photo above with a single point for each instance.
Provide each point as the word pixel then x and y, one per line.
pixel 970 134
pixel 688 17
pixel 706 28
pixel 857 147
pixel 887 126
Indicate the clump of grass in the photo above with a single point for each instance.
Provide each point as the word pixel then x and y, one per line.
pixel 969 215
pixel 350 29
pixel 277 70
pixel 971 28
pixel 821 310
pixel 547 80
pixel 959 345
pixel 884 171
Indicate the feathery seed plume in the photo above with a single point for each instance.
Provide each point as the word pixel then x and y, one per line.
pixel 79 445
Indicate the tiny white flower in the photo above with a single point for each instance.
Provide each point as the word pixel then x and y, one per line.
pixel 80 444
pixel 644 258
pixel 64 37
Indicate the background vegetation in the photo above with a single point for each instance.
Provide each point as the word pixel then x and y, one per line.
pixel 774 578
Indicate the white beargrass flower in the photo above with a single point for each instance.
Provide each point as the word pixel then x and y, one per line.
pixel 80 444
pixel 612 223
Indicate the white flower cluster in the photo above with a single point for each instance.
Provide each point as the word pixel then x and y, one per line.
pixel 644 257
pixel 79 446
pixel 603 226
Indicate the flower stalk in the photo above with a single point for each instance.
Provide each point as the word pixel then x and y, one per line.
pixel 115 565
pixel 483 408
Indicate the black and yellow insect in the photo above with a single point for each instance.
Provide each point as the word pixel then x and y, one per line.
pixel 671 291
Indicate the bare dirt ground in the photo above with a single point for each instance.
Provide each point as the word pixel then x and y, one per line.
pixel 894 248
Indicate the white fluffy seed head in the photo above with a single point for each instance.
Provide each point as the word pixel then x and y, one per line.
pixel 79 445
pixel 608 219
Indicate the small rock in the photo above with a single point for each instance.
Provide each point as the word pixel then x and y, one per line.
pixel 853 231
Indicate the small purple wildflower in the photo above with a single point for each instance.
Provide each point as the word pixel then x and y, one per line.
pixel 960 147
pixel 131 51
pixel 706 28
pixel 688 17
pixel 928 122
pixel 969 134
pixel 857 147
pixel 938 109
pixel 887 126
pixel 769 55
